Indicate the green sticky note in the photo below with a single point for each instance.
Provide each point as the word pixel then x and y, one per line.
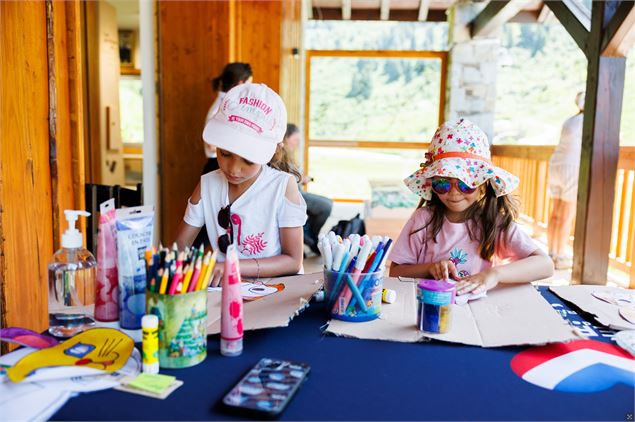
pixel 155 383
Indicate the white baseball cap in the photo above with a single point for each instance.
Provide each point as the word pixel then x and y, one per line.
pixel 250 122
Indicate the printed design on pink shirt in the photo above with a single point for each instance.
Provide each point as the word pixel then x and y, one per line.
pixel 253 244
pixel 457 257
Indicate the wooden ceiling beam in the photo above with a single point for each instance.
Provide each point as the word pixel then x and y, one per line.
pixel 424 5
pixel 493 16
pixel 346 9
pixel 434 15
pixel 575 19
pixel 384 10
pixel 526 16
pixel 620 32
pixel 545 15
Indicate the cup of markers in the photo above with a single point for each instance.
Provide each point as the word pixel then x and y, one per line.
pixel 177 294
pixel 353 275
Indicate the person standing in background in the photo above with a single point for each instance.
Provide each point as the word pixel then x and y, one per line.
pixel 233 74
pixel 318 208
pixel 564 168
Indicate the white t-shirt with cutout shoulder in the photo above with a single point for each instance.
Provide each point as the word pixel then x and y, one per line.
pixel 257 215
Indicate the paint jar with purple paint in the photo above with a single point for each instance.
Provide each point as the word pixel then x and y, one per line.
pixel 434 310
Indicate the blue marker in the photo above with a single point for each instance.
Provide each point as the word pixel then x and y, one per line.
pixel 351 265
pixel 380 263
pixel 371 269
pixel 356 294
pixel 341 272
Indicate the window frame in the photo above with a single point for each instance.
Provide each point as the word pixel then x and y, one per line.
pixel 355 54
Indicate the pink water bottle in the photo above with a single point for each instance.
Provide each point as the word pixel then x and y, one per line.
pixel 231 317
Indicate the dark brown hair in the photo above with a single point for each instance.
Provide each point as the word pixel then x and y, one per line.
pixel 232 75
pixel 291 129
pixel 487 219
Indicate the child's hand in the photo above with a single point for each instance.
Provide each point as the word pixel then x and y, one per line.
pixel 217 275
pixel 442 270
pixel 477 283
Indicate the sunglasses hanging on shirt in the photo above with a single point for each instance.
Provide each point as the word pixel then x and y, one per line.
pixel 224 220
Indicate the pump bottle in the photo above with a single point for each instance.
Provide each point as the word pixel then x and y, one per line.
pixel 71 275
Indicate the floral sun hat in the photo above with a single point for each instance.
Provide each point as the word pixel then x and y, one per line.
pixel 460 149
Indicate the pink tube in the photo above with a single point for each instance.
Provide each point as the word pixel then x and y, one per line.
pixel 107 289
pixel 231 329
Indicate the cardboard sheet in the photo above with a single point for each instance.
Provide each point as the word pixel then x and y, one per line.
pixel 275 310
pixel 605 313
pixel 396 323
pixel 511 315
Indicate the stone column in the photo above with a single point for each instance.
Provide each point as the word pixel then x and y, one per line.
pixel 472 65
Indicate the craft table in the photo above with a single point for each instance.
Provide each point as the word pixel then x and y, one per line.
pixel 369 380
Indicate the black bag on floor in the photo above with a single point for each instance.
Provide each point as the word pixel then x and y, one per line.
pixel 346 227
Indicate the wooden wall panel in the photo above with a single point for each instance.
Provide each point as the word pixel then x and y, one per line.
pixel 92 153
pixel 63 184
pixel 193 47
pixel 76 114
pixel 196 39
pixel 290 65
pixel 258 39
pixel 26 230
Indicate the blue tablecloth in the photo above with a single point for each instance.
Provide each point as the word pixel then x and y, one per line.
pixel 368 380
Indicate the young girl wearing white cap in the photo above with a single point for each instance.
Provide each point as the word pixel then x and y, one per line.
pixel 252 200
pixel 465 227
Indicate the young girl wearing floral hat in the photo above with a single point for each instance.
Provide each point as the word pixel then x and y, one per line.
pixel 465 227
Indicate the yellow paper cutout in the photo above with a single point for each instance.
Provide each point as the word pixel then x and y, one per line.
pixel 100 348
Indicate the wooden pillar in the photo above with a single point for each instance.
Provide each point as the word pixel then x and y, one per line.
pixel 600 153
pixel 26 218
pixel 65 113
pixel 41 152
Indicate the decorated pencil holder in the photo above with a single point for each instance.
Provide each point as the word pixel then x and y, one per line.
pixel 182 327
pixel 353 297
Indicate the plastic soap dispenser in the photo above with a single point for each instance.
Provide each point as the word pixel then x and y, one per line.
pixel 71 283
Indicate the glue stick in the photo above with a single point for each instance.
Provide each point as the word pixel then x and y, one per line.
pixel 150 343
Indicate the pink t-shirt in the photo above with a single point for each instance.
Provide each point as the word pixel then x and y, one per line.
pixel 454 244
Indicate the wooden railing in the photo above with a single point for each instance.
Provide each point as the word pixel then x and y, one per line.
pixel 530 164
